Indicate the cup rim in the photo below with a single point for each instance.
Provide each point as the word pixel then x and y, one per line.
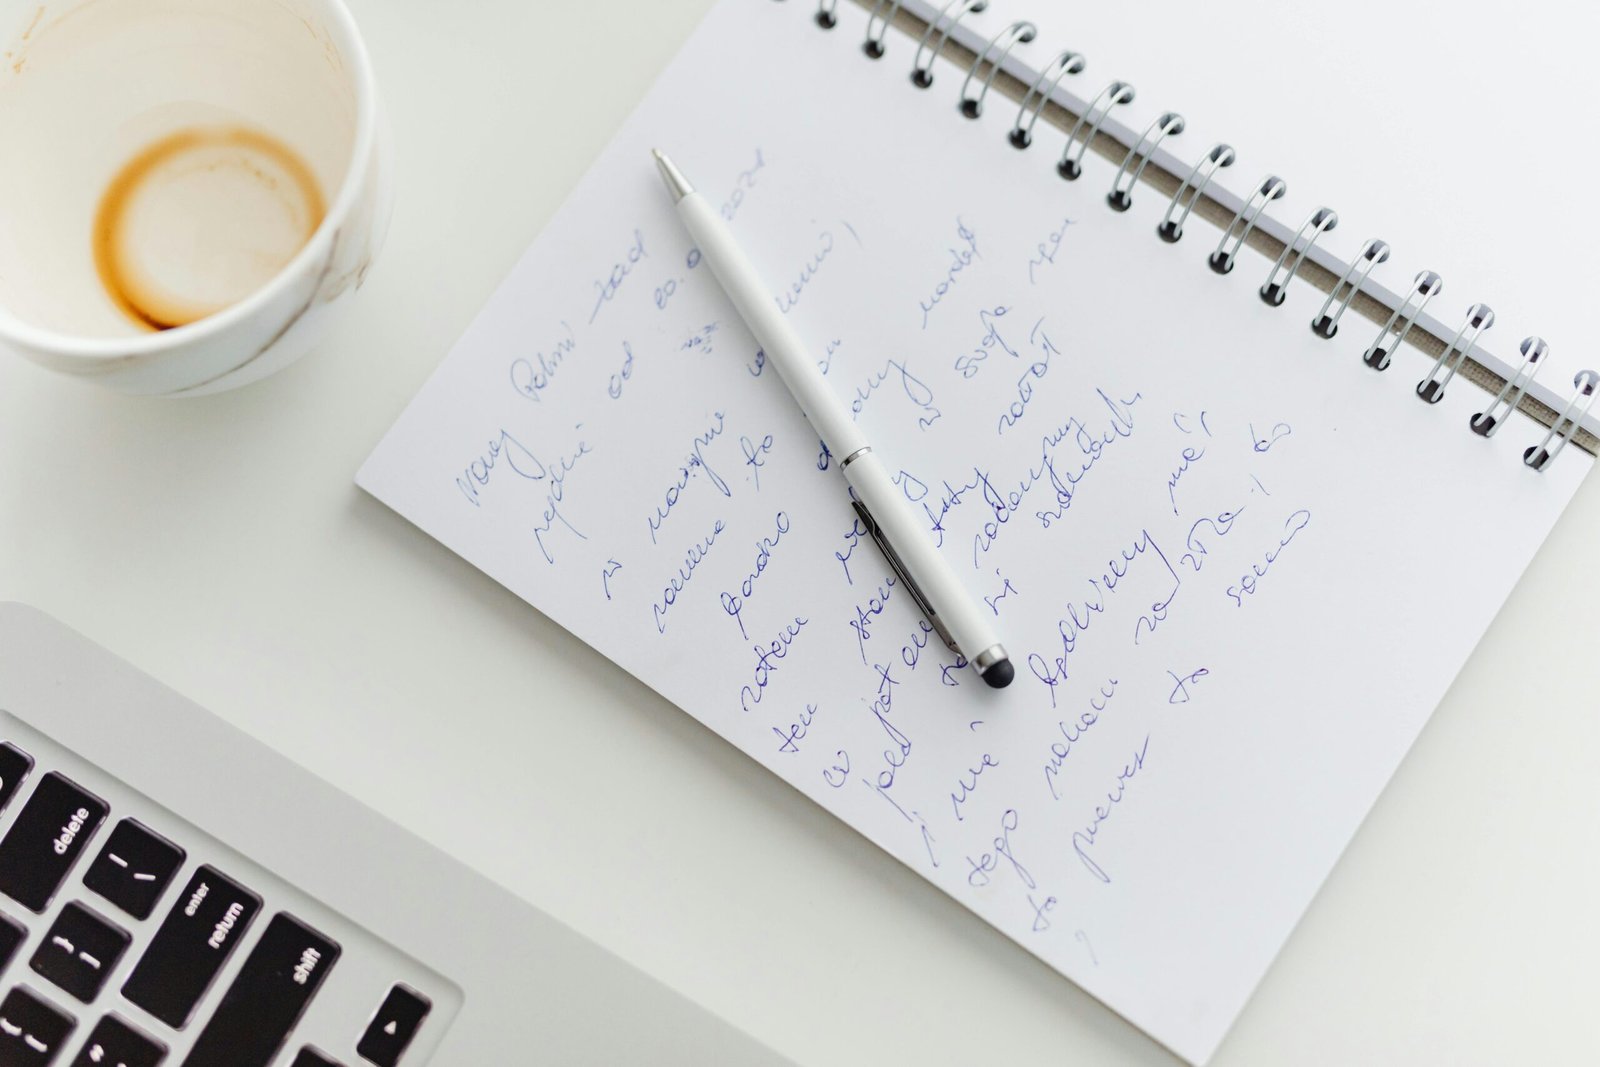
pixel 73 346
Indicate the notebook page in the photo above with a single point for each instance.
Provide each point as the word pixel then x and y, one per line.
pixel 1408 119
pixel 1235 568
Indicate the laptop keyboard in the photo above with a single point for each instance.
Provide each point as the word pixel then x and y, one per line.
pixel 130 938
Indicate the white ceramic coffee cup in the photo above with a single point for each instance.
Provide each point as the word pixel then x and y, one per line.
pixel 88 85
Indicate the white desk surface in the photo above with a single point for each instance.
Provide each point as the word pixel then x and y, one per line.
pixel 221 545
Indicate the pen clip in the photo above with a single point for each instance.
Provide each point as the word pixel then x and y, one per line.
pixel 899 568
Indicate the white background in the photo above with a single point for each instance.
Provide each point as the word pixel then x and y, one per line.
pixel 221 545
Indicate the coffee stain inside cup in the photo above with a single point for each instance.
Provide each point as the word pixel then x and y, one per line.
pixel 201 219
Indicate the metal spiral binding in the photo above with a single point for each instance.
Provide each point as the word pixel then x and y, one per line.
pixel 1486 422
pixel 1424 288
pixel 1168 125
pixel 1479 318
pixel 1007 39
pixel 922 76
pixel 1271 188
pixel 873 45
pixel 1584 384
pixel 1221 155
pixel 1325 325
pixel 1068 62
pixel 1321 221
pixel 1071 164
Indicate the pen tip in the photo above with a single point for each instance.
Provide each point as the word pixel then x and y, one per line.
pixel 999 674
pixel 676 183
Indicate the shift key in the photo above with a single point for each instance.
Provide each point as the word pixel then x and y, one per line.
pixel 266 1000
pixel 208 919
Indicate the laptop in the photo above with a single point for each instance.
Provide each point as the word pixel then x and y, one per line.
pixel 173 892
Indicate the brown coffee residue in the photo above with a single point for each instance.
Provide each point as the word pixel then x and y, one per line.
pixel 232 153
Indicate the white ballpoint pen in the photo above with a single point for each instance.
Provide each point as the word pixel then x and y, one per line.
pixel 951 610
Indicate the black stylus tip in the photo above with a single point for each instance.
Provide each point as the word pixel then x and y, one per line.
pixel 999 674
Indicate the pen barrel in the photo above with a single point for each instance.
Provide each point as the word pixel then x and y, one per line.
pixel 784 350
pixel 959 611
pixel 941 592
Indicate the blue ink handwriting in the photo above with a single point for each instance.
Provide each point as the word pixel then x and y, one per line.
pixel 967 784
pixel 1218 527
pixel 1263 444
pixel 1158 608
pixel 695 462
pixel 1081 613
pixel 1186 459
pixel 927 838
pixel 989 862
pixel 531 377
pixel 1083 840
pixel 1035 372
pixel 1180 691
pixel 733 603
pixel 789 299
pixel 703 340
pixel 862 623
pixel 1041 911
pixel 1091 448
pixel 1083 939
pixel 755 453
pixel 1073 731
pixel 1248 584
pixel 790 739
pixel 852 539
pixel 899 747
pixel 669 288
pixel 742 185
pixel 961 257
pixel 970 364
pixel 676 584
pixel 1006 590
pixel 916 390
pixel 768 659
pixel 839 773
pixel 614 386
pixel 1046 254
pixel 608 287
pixel 949 499
pixel 475 476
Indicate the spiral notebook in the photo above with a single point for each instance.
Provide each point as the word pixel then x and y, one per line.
pixel 1238 534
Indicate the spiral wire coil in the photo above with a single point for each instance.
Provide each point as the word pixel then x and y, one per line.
pixel 1088 121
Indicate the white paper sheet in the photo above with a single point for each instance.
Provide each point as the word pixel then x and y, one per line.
pixel 1409 119
pixel 1237 569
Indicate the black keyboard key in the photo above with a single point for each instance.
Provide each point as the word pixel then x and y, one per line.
pixel 134 868
pixel 32 1030
pixel 12 935
pixel 392 1029
pixel 46 840
pixel 116 1044
pixel 195 939
pixel 79 951
pixel 310 1057
pixel 14 767
pixel 277 981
